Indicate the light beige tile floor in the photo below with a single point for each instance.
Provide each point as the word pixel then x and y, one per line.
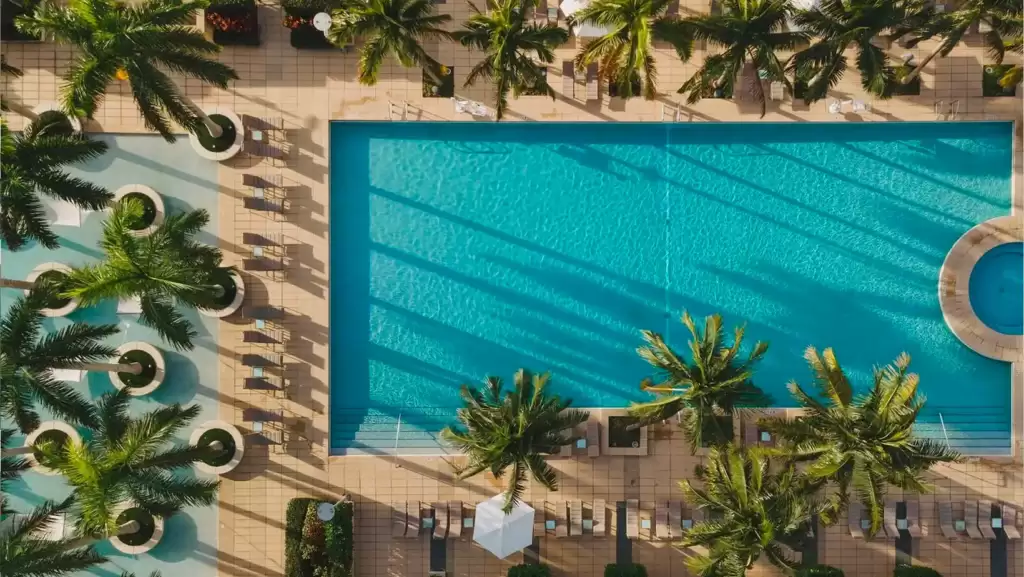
pixel 309 89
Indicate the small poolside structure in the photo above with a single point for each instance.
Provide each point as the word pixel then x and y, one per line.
pixel 503 534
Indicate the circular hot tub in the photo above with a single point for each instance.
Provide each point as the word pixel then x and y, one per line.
pixel 996 288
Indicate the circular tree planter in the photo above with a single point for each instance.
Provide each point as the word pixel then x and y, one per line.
pixel 58 307
pixel 234 294
pixel 152 207
pixel 143 541
pixel 153 368
pixel 229 436
pixel 227 145
pixel 44 108
pixel 56 431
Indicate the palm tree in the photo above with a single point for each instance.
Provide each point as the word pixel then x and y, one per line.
pixel 752 509
pixel 26 359
pixel 515 430
pixel 133 42
pixel 33 163
pixel 161 269
pixel 515 46
pixel 626 52
pixel 12 465
pixel 841 24
pixel 7 70
pixel 389 28
pixel 1010 28
pixel 751 32
pixel 860 444
pixel 952 26
pixel 128 461
pixel 714 383
pixel 22 554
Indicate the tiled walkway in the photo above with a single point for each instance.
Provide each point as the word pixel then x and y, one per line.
pixel 309 89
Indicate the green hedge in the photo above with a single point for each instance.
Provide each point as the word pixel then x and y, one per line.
pixel 914 571
pixel 528 570
pixel 819 571
pixel 616 570
pixel 313 549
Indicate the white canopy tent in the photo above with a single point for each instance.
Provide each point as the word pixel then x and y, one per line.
pixel 499 533
pixel 570 7
pixel 801 5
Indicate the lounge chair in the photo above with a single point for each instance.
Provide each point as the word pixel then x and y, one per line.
pixel 914 520
pixel 262 240
pixel 561 522
pixel 257 181
pixel 675 520
pixel 531 555
pixel 673 9
pixel 777 90
pixel 399 523
pixel 600 516
pixel 592 87
pixel 61 212
pixel 540 11
pixel 835 107
pixel 661 526
pixel 971 520
pixel 593 439
pixel 412 519
pixel 539 520
pixel 946 521
pixel 861 106
pixel 263 264
pixel 264 383
pixel 263 205
pixel 566 451
pixel 854 515
pixel 985 519
pixel 268 360
pixel 889 520
pixel 256 415
pixel 632 518
pixel 129 306
pixel 454 519
pixel 575 518
pixel 262 122
pixel 441 520
pixel 568 79
pixel 1011 516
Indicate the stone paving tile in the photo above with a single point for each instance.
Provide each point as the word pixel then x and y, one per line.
pixel 309 89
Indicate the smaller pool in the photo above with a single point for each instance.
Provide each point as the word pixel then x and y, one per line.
pixel 997 288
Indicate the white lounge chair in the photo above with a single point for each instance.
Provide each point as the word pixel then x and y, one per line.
pixel 835 107
pixel 66 375
pixel 861 106
pixel 132 306
pixel 61 212
pixel 777 90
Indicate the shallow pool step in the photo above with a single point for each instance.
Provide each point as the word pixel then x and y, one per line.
pixel 370 432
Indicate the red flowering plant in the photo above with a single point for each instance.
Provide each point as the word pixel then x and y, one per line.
pixel 230 23
pixel 295 22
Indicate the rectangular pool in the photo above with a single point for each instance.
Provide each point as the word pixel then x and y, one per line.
pixel 460 250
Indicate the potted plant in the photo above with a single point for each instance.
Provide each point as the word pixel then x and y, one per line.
pixel 444 89
pixel 225 444
pixel 910 88
pixel 57 434
pixel 234 22
pixel 227 294
pixel 990 81
pixel 148 368
pixel 52 277
pixel 144 208
pixel 298 17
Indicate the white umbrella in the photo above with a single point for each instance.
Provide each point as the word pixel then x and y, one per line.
pixel 503 534
pixel 570 7
pixel 801 5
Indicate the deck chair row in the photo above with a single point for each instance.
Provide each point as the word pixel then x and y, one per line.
pixel 441 520
pixel 570 518
pixel 981 520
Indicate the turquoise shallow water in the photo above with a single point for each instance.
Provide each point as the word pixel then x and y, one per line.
pixel 189 545
pixel 466 249
pixel 997 288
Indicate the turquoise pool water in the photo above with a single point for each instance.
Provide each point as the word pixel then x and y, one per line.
pixel 189 545
pixel 466 249
pixel 996 288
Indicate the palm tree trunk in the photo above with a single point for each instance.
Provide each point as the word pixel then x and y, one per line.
pixel 133 368
pixel 15 451
pixel 16 284
pixel 21 109
pixel 917 69
pixel 126 529
pixel 212 127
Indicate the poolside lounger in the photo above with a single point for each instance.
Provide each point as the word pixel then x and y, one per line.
pixel 575 518
pixel 259 337
pixel 971 520
pixel 398 520
pixel 441 520
pixel 262 122
pixel 1011 516
pixel 539 519
pixel 263 264
pixel 269 360
pixel 750 436
pixel 946 521
pixel 263 204
pixel 454 519
pixel 889 520
pixel 854 515
pixel 264 240
pixel 661 526
pixel 568 79
pixel 632 518
pixel 276 153
pixel 566 450
pixel 861 106
pixel 914 520
pixel 835 107
pixel 412 519
pixel 593 439
pixel 540 11
pixel 777 90
pixel 257 415
pixel 561 522
pixel 600 517
pixel 985 519
pixel 264 383
pixel 592 87
pixel 675 519
pixel 263 313
pixel 673 8
pixel 266 181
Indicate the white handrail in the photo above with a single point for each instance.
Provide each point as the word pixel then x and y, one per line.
pixel 943 423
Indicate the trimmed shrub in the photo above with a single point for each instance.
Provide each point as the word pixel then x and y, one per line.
pixel 914 571
pixel 313 548
pixel 295 519
pixel 528 570
pixel 819 571
pixel 338 539
pixel 616 570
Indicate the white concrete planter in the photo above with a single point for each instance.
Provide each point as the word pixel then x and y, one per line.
pixel 76 124
pixel 158 533
pixel 236 303
pixel 161 368
pixel 45 267
pixel 239 446
pixel 233 150
pixel 30 440
pixel 151 195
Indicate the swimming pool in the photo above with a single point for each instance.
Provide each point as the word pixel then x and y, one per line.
pixel 466 249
